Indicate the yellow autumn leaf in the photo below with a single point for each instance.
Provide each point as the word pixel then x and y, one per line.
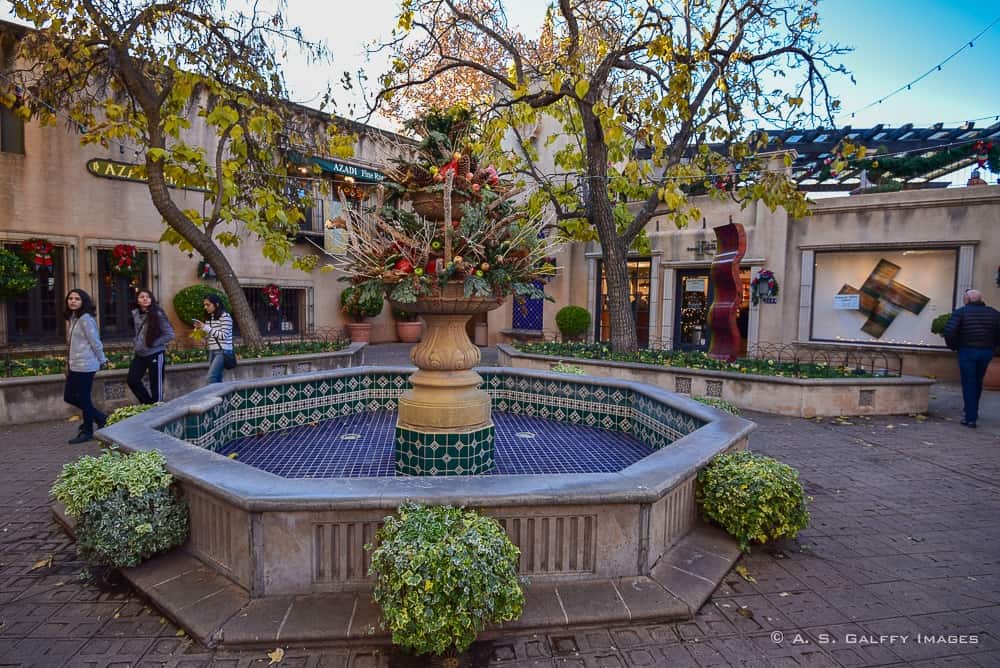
pixel 42 563
pixel 276 656
pixel 233 455
pixel 744 573
pixel 180 633
pixel 581 88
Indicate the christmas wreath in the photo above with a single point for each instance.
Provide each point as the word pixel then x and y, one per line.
pixel 205 270
pixel 127 260
pixel 273 293
pixel 763 286
pixel 38 253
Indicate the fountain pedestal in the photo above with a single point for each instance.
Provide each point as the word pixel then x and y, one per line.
pixel 445 425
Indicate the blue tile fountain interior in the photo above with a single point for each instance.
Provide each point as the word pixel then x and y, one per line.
pixel 342 425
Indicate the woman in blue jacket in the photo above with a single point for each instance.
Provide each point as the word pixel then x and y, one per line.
pixel 152 334
pixel 85 357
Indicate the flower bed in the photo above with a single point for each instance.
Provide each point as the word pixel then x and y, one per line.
pixel 15 367
pixel 692 360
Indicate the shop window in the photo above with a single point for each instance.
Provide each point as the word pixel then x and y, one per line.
pixel 887 297
pixel 116 293
pixel 11 132
pixel 639 286
pixel 281 320
pixel 36 317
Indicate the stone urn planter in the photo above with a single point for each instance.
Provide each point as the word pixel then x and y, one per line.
pixel 445 425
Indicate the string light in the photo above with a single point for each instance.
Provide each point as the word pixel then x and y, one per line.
pixel 936 68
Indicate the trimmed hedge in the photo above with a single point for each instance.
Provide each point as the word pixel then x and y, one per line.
pixel 189 302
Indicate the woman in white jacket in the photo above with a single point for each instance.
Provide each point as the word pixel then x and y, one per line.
pixel 85 357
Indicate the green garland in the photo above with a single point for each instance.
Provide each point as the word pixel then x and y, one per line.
pixel 907 167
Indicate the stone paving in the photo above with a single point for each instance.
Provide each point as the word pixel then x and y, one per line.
pixel 900 566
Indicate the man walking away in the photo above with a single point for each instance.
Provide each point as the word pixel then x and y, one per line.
pixel 974 331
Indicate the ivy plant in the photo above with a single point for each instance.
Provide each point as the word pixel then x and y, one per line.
pixel 123 530
pixel 441 575
pixel 126 412
pixel 754 498
pixel 90 479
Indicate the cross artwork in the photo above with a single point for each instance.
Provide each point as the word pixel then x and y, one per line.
pixel 882 298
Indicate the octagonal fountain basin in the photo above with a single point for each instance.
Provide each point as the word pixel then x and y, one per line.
pixel 288 478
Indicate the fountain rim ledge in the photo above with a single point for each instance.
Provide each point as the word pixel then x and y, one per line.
pixel 256 490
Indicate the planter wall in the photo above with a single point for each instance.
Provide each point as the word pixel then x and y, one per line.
pixel 800 397
pixel 38 398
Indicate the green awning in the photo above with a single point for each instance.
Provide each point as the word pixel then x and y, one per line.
pixel 336 167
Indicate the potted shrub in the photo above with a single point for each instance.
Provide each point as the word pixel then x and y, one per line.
pixel 126 506
pixel 189 303
pixel 441 575
pixel 754 498
pixel 359 304
pixel 573 322
pixel 408 326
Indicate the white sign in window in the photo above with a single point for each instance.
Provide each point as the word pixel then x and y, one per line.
pixel 846 302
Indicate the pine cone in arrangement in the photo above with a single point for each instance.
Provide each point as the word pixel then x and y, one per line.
pixel 419 176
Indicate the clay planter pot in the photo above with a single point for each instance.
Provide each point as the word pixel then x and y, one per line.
pixel 992 379
pixel 409 331
pixel 360 332
pixel 430 205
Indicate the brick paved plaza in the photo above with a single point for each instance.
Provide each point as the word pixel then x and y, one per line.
pixel 900 566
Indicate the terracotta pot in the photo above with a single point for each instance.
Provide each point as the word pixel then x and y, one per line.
pixel 408 331
pixel 360 332
pixel 430 205
pixel 992 379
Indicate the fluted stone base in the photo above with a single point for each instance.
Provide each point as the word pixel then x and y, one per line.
pixel 444 425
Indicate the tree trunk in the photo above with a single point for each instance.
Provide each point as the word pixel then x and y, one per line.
pixel 614 251
pixel 249 331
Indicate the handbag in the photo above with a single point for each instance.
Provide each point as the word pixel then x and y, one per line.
pixel 228 356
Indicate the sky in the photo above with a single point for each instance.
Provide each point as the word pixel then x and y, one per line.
pixel 894 41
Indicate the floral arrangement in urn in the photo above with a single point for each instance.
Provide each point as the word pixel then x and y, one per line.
pixel 445 218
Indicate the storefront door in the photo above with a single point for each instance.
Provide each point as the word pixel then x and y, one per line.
pixel 639 293
pixel 693 299
pixel 694 295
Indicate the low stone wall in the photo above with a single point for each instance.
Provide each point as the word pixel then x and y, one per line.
pixel 800 397
pixel 37 398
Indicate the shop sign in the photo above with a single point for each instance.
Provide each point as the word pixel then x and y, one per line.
pixel 354 171
pixel 846 302
pixel 127 171
pixel 695 285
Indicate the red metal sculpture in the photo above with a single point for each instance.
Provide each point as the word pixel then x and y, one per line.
pixel 728 292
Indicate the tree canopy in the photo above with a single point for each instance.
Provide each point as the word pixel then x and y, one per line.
pixel 199 93
pixel 622 109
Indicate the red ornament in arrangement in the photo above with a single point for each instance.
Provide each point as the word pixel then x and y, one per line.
pixel 38 252
pixel 126 259
pixel 273 293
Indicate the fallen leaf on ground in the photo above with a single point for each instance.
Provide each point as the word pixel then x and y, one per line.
pixel 744 573
pixel 745 612
pixel 180 633
pixel 276 656
pixel 234 455
pixel 921 418
pixel 42 563
pixel 73 418
pixel 784 594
